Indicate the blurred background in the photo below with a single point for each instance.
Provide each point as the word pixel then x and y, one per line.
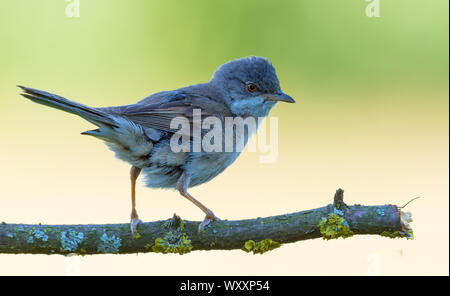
pixel 371 117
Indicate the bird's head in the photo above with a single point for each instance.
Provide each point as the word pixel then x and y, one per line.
pixel 250 86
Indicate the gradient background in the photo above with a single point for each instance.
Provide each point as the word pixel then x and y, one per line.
pixel 371 117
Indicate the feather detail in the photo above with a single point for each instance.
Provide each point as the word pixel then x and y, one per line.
pixel 93 115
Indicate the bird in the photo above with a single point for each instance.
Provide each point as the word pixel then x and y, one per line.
pixel 140 134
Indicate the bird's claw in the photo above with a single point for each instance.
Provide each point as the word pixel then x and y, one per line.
pixel 208 218
pixel 133 225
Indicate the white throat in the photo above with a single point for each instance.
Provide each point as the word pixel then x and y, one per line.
pixel 254 106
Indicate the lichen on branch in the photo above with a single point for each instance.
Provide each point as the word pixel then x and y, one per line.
pixel 175 235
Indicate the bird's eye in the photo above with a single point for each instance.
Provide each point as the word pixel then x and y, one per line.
pixel 251 87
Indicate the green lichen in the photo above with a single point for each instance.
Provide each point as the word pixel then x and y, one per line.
pixel 110 244
pixel 261 246
pixel 181 227
pixel 398 234
pixel 71 239
pixel 172 243
pixel 334 226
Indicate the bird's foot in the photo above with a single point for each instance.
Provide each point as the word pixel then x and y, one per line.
pixel 133 225
pixel 208 218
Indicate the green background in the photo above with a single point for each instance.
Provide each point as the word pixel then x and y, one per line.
pixel 144 46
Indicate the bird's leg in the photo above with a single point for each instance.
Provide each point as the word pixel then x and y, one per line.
pixel 134 174
pixel 183 184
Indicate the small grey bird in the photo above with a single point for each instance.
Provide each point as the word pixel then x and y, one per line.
pixel 140 133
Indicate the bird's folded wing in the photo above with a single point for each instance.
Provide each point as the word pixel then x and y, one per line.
pixel 167 115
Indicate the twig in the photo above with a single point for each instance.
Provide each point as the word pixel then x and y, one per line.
pixel 409 202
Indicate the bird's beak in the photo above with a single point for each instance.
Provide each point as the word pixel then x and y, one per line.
pixel 279 97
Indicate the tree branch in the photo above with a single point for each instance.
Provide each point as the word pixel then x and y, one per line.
pixel 180 236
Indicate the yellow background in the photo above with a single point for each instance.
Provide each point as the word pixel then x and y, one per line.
pixel 371 117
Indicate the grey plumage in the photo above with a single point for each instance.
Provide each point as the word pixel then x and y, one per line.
pixel 41 97
pixel 140 133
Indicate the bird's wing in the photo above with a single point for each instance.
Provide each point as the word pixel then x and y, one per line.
pixel 176 106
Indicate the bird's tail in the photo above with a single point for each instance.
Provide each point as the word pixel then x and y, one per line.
pixel 93 115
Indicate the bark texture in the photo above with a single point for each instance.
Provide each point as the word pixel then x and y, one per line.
pixel 180 236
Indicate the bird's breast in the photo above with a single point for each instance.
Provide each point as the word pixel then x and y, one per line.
pixel 204 166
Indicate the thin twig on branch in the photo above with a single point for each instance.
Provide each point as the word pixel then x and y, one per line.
pixel 180 236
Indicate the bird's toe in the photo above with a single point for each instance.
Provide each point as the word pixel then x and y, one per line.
pixel 208 218
pixel 133 226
